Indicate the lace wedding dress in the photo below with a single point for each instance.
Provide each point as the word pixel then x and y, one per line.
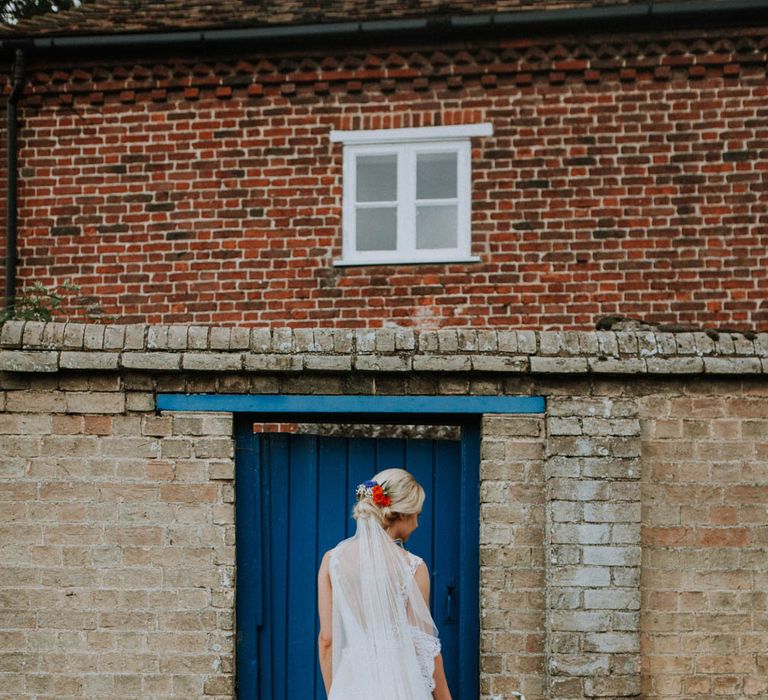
pixel 384 639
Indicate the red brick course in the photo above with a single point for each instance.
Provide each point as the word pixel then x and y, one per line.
pixel 625 176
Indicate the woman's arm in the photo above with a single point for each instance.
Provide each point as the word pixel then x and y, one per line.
pixel 325 608
pixel 441 691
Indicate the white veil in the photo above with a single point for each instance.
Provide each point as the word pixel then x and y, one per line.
pixel 384 638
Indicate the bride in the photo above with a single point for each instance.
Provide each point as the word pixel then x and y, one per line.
pixel 377 638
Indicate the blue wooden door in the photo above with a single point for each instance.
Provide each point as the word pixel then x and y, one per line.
pixel 294 495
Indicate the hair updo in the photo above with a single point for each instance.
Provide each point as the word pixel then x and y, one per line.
pixel 406 494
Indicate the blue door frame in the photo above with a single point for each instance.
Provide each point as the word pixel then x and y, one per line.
pixel 460 410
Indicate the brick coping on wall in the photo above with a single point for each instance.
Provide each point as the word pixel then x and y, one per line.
pixel 35 347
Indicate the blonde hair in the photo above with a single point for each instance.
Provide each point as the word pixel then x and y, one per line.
pixel 405 492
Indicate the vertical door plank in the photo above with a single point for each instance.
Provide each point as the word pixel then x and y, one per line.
pixel 332 513
pixel 390 453
pixel 419 462
pixel 448 516
pixel 301 554
pixel 277 534
pixel 250 573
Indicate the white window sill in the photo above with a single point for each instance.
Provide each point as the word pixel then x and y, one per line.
pixel 406 261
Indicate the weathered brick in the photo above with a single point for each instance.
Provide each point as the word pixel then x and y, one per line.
pixel 612 556
pixel 239 339
pixel 507 341
pixel 612 642
pixel 157 337
pixel 607 343
pixel 326 340
pixel 151 360
pixel 558 365
pixel 581 621
pixel 138 401
pixel 33 334
pixel 28 361
pixel 93 338
pixel 304 340
pixel 213 448
pixel 327 363
pixel 261 340
pixel 493 363
pixel 614 426
pixel 95 402
pixel 273 363
pixel 612 512
pixel 612 599
pixel 36 402
pixel 135 337
pixel 405 339
pixel 564 426
pixel 612 365
pixel 177 337
pixel 11 333
pixel 526 342
pixel 213 361
pixel 382 363
pixel 441 363
pixel 365 341
pixel 613 687
pixel 114 337
pixel 732 365
pixel 581 533
pixel 582 576
pixel 88 360
pixel 675 365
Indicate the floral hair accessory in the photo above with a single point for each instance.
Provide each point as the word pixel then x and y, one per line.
pixel 374 491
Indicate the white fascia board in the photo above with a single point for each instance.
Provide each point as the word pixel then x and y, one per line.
pixel 427 133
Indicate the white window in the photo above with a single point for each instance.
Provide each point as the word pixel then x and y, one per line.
pixel 408 194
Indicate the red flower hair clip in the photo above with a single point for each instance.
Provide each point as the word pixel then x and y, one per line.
pixel 374 491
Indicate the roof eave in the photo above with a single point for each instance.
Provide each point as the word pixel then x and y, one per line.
pixel 612 17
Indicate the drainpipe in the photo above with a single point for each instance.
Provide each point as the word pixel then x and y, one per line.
pixel 19 71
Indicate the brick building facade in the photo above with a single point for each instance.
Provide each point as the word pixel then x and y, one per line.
pixel 625 175
pixel 622 532
pixel 189 184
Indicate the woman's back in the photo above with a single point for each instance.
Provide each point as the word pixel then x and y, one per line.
pixel 380 621
pixel 377 638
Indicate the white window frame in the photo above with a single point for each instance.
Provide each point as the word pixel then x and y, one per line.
pixel 406 144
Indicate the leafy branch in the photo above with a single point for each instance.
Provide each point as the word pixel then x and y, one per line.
pixel 41 303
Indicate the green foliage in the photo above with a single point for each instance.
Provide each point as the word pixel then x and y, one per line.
pixel 41 303
pixel 11 11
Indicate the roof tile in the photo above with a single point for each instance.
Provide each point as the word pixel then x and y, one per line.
pixel 127 16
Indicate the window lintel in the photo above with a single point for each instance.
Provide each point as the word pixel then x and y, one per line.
pixel 420 134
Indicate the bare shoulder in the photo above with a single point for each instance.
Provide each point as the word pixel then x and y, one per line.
pixel 421 577
pixel 325 561
pixel 422 572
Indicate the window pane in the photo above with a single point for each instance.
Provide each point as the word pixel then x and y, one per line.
pixel 377 178
pixel 436 175
pixel 377 229
pixel 437 226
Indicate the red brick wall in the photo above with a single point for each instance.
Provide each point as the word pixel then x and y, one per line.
pixel 625 176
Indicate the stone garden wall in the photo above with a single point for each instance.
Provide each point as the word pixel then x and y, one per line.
pixel 623 532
